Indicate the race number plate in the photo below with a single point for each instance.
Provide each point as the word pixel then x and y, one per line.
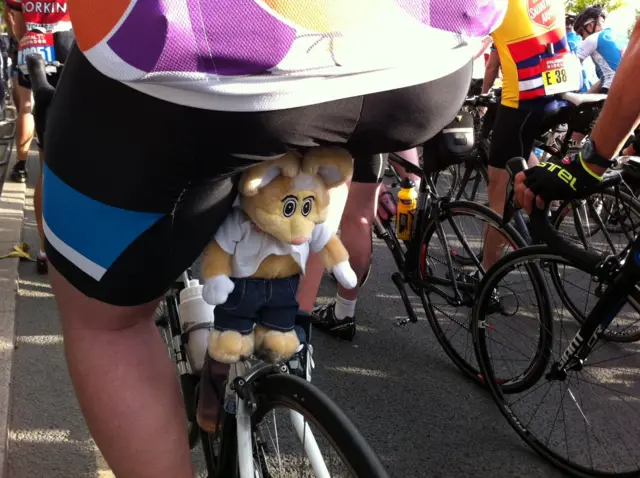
pixel 38 43
pixel 560 74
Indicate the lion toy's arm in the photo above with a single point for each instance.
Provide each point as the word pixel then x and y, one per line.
pixel 216 267
pixel 336 259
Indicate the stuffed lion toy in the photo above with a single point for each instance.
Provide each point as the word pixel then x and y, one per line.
pixel 252 268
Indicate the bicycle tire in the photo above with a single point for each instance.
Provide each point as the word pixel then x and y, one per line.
pixel 530 256
pixel 535 369
pixel 286 390
pixel 558 282
pixel 488 216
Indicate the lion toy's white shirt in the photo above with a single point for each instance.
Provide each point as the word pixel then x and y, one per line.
pixel 249 246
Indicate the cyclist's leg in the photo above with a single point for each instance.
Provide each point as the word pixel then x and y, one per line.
pixel 39 113
pixel 25 129
pixel 338 317
pixel 513 134
pixel 125 211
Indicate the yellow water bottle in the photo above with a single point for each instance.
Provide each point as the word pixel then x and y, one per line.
pixel 407 205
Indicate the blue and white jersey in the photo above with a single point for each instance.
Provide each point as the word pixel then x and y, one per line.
pixel 574 40
pixel 606 50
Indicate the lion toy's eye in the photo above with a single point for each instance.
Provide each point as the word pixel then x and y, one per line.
pixel 307 205
pixel 289 207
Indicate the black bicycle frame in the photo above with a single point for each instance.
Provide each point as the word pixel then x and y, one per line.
pixel 606 309
pixel 409 262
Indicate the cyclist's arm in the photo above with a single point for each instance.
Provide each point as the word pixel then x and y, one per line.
pixel 621 112
pixel 483 47
pixel 15 19
pixel 587 48
pixel 596 87
pixel 491 71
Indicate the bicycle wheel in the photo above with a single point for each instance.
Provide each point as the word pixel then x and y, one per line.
pixel 168 326
pixel 463 227
pixel 606 223
pixel 446 181
pixel 306 419
pixel 583 422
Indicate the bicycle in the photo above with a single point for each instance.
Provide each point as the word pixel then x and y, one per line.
pixel 569 357
pixel 240 447
pixel 440 268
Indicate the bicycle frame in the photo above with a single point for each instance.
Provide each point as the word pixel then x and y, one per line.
pixel 408 262
pixel 601 316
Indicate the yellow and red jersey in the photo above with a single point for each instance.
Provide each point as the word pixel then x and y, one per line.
pixel 523 43
pixel 46 16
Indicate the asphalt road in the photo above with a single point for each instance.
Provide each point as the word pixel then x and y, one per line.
pixel 420 414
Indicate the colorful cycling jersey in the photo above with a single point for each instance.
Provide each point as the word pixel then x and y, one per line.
pixel 46 16
pixel 534 54
pixel 606 49
pixel 574 41
pixel 252 55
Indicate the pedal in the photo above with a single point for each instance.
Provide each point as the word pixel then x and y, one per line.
pixel 400 284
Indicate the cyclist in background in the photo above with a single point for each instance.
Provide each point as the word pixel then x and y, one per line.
pixel 619 117
pixel 537 65
pixel 55 26
pixel 599 43
pixel 589 77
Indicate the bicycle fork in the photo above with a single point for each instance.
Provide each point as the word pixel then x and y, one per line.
pixel 246 462
pixel 603 313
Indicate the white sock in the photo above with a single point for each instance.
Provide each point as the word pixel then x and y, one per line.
pixel 344 307
pixel 42 254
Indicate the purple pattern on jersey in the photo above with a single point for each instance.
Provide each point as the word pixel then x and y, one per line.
pixel 224 37
pixel 471 17
pixel 140 39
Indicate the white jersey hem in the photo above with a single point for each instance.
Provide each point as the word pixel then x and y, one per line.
pixel 310 91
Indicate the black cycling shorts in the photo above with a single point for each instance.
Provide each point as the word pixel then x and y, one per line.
pixel 135 187
pixel 515 130
pixel 369 168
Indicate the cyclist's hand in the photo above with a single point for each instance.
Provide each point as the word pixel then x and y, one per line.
pixel 216 289
pixel 554 179
pixel 345 275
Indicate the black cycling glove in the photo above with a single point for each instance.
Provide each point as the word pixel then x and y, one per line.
pixel 561 179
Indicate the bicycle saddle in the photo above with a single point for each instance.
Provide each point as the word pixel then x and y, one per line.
pixel 580 99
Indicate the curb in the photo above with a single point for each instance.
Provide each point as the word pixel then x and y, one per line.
pixel 12 202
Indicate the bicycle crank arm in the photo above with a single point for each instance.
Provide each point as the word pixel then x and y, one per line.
pixel 399 282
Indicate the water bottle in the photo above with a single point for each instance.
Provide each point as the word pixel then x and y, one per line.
pixel 196 318
pixel 407 205
pixel 387 206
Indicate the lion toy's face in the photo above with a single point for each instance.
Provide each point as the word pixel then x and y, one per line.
pixel 289 196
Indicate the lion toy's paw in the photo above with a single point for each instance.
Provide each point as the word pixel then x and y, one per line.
pixel 230 346
pixel 275 346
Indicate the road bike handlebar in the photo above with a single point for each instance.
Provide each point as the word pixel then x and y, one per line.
pixel 38 76
pixel 544 231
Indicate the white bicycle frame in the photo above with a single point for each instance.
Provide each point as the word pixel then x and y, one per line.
pixel 245 442
pixel 243 425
